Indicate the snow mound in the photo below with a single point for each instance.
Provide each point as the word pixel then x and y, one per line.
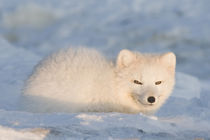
pixel 187 86
pixel 15 65
pixel 31 134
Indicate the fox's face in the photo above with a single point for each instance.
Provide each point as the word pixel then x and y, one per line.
pixel 147 80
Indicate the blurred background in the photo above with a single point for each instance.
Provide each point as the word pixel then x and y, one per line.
pixel 181 26
pixel 32 29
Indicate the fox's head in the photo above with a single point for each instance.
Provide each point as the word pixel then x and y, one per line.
pixel 145 80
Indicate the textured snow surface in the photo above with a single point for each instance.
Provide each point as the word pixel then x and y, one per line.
pixel 30 30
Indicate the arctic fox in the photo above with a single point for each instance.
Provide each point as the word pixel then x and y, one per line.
pixel 82 80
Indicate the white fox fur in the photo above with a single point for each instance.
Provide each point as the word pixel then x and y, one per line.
pixel 82 80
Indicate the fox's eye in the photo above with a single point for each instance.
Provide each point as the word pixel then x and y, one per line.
pixel 137 82
pixel 158 82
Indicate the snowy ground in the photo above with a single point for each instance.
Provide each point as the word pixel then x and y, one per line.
pixel 29 30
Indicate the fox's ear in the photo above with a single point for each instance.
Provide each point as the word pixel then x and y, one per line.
pixel 169 59
pixel 125 58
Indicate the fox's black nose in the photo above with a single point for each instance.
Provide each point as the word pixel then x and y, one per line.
pixel 151 99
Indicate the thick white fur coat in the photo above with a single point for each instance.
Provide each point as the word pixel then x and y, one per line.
pixel 82 80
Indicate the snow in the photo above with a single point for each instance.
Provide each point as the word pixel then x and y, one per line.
pixel 187 86
pixel 30 30
pixel 8 133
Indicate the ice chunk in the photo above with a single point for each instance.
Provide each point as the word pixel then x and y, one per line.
pixel 30 134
